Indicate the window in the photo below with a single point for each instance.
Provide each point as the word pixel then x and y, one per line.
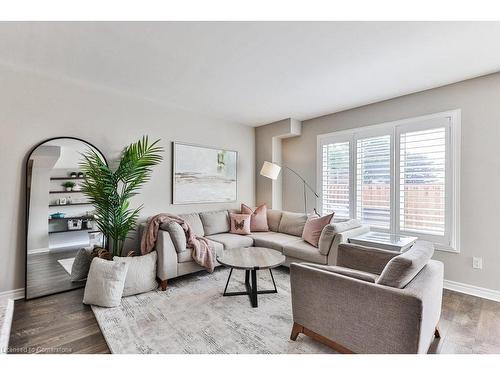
pixel 335 190
pixel 373 181
pixel 399 177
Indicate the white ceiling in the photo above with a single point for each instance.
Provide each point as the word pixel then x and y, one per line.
pixel 258 72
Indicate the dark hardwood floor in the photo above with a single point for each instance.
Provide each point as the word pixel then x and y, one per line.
pixel 47 276
pixel 61 323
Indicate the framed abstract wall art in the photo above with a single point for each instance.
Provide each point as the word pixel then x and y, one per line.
pixel 203 174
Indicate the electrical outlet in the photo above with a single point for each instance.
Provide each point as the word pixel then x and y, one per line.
pixel 477 262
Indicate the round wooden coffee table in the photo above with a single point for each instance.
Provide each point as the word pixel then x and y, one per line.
pixel 251 259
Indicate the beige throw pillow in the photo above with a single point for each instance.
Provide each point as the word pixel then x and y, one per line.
pixel 141 274
pixel 105 283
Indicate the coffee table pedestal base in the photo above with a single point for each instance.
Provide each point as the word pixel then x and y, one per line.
pixel 251 288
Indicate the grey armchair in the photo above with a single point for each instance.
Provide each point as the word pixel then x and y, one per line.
pixel 373 301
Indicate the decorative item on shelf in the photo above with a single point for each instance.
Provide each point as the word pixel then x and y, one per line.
pixel 73 175
pixel 75 224
pixel 58 215
pixel 81 175
pixel 77 187
pixel 68 185
pixel 109 190
pixel 62 201
pixel 88 224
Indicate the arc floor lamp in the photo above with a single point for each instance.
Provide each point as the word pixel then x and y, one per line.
pixel 272 171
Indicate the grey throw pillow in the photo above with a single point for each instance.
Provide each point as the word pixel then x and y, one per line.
pixel 403 268
pixel 81 264
pixel 177 235
pixel 105 283
pixel 141 274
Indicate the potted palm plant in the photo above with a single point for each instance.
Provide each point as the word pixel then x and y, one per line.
pixel 110 190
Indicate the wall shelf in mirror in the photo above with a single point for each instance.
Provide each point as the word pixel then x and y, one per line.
pixel 64 191
pixel 70 204
pixel 74 230
pixel 66 178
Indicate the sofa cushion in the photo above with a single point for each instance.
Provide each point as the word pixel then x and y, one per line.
pixel 258 220
pixel 273 240
pixel 185 256
pixel 177 235
pixel 240 223
pixel 194 222
pixel 273 219
pixel 349 272
pixel 403 268
pixel 215 222
pixel 231 241
pixel 292 223
pixel 304 251
pixel 314 227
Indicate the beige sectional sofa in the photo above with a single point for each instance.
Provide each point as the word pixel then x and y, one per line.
pixel 285 231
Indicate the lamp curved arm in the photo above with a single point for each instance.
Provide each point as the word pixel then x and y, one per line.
pixel 302 178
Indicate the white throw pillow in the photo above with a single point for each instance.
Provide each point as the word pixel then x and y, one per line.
pixel 141 274
pixel 105 283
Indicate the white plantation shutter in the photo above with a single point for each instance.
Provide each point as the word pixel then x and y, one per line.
pixel 401 177
pixel 373 180
pixel 422 181
pixel 336 178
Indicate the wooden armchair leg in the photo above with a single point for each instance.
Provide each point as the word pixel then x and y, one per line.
pixel 296 329
pixel 163 285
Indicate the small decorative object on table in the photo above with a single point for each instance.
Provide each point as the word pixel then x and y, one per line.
pixel 385 241
pixel 68 185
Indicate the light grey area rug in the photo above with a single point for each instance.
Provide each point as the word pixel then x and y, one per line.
pixel 6 312
pixel 192 316
pixel 67 264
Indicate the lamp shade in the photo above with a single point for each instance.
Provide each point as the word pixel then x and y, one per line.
pixel 270 170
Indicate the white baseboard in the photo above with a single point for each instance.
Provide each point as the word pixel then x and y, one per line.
pixel 12 294
pixel 472 290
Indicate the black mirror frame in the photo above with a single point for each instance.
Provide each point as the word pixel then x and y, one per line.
pixel 26 214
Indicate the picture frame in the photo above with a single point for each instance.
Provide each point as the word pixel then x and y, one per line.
pixel 203 174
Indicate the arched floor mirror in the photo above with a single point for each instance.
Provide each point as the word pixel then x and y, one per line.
pixel 59 219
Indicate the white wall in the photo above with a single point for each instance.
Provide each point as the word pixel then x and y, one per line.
pixel 35 107
pixel 479 100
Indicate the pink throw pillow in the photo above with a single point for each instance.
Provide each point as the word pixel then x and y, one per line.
pixel 258 220
pixel 314 227
pixel 240 223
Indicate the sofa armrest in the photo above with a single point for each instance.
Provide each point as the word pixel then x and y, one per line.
pixel 343 237
pixel 359 315
pixel 364 258
pixel 167 256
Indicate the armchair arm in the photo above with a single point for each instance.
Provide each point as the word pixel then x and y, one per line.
pixel 364 258
pixel 359 315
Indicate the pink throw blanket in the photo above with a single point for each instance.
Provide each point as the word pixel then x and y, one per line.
pixel 203 251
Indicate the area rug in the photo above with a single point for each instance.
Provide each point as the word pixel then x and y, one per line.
pixel 192 316
pixel 6 312
pixel 67 264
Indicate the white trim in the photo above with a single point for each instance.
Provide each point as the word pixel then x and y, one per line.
pixel 12 294
pixel 451 241
pixel 472 290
